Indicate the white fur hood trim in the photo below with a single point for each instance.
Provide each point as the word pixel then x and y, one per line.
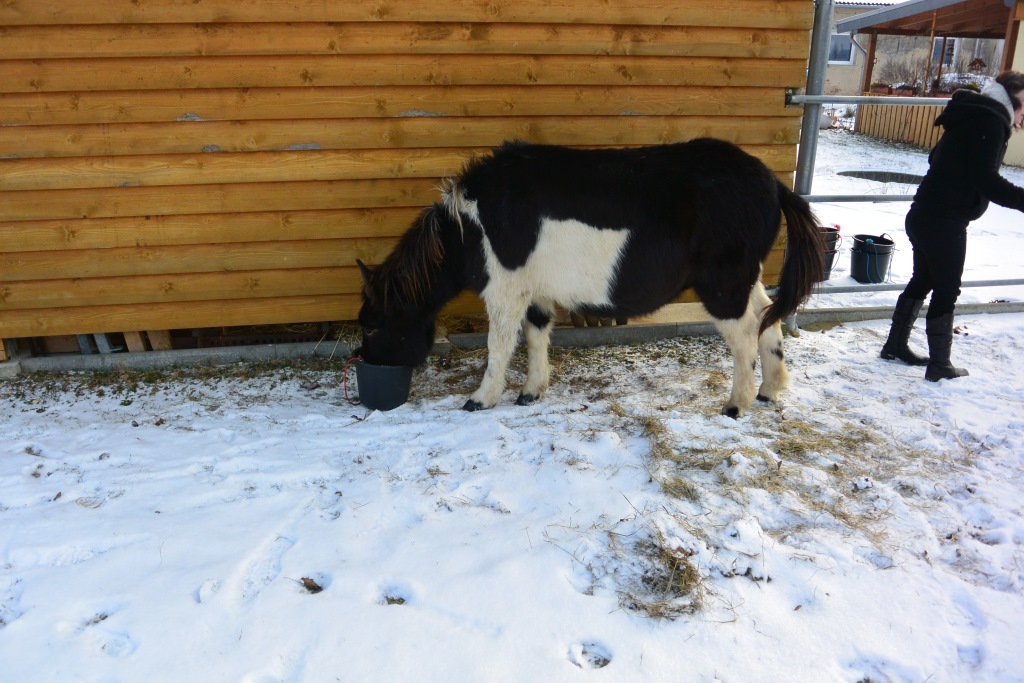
pixel 998 93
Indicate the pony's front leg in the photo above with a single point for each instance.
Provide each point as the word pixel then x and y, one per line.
pixel 741 336
pixel 502 335
pixel 537 332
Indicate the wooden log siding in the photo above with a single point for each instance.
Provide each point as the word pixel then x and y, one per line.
pixel 170 165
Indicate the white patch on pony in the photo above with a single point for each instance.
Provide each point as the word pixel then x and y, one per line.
pixel 572 264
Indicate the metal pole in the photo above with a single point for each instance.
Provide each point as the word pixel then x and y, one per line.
pixel 855 198
pixel 925 87
pixel 861 49
pixel 865 99
pixel 821 34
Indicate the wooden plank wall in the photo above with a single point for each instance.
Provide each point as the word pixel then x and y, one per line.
pixel 168 164
pixel 913 125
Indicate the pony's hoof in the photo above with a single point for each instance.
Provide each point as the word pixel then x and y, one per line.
pixel 472 406
pixel 731 411
pixel 765 399
pixel 526 400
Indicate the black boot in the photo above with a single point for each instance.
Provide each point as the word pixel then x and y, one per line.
pixel 940 343
pixel 903 318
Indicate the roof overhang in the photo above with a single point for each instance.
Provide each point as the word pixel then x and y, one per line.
pixel 961 18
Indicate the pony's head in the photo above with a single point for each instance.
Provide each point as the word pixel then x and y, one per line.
pixel 394 332
pixel 402 296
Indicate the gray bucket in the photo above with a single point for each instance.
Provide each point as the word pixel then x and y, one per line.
pixel 382 387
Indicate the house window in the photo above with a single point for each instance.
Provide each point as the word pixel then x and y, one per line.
pixel 840 50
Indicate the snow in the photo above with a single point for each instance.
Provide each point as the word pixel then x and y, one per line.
pixel 169 526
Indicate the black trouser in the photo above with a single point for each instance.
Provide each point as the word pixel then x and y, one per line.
pixel 940 249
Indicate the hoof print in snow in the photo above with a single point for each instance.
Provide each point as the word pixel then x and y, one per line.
pixel 206 591
pixel 116 644
pixel 590 655
pixel 391 599
pixel 97 634
pixel 394 595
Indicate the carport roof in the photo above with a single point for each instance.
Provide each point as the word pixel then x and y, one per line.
pixel 961 18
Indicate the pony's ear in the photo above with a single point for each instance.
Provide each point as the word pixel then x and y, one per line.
pixel 364 270
pixel 367 281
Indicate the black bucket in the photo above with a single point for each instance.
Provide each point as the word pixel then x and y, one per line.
pixel 870 258
pixel 382 387
pixel 832 239
pixel 831 236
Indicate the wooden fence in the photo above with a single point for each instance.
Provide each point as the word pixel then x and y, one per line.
pixel 173 165
pixel 913 125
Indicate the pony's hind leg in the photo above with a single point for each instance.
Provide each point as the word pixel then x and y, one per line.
pixel 740 336
pixel 537 332
pixel 774 377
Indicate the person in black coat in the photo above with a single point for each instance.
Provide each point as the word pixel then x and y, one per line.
pixel 963 177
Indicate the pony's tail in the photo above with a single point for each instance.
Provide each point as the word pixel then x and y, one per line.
pixel 804 264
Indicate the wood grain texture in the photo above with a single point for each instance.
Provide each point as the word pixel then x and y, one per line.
pixel 795 14
pixel 180 287
pixel 181 229
pixel 232 198
pixel 265 167
pixel 350 102
pixel 218 40
pixel 161 73
pixel 208 137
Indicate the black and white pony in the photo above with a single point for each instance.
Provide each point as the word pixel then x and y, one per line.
pixel 608 232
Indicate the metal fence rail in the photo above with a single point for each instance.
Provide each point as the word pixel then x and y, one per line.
pixel 793 99
pixel 822 288
pixel 866 198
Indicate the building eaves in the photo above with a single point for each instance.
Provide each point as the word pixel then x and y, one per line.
pixel 891 13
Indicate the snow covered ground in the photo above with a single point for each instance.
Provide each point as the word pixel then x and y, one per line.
pixel 247 524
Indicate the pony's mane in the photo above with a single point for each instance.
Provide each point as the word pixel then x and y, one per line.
pixel 406 273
